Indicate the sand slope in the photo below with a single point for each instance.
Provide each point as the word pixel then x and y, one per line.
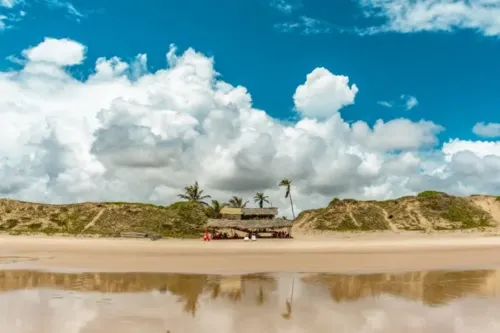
pixel 428 211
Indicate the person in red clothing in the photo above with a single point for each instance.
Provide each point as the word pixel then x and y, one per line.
pixel 206 236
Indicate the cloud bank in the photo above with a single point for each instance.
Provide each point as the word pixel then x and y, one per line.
pixel 125 133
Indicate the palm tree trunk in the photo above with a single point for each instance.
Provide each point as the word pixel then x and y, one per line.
pixel 291 203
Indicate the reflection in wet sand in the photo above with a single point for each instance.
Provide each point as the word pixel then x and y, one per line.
pixel 147 302
pixel 432 288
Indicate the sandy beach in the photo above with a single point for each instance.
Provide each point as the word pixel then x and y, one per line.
pixel 359 253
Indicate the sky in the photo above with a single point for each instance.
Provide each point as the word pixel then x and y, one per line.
pixel 132 101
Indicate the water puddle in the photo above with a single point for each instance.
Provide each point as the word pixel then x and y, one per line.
pixel 435 301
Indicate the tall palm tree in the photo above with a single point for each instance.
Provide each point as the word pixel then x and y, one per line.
pixel 289 302
pixel 194 194
pixel 215 209
pixel 237 202
pixel 260 198
pixel 287 183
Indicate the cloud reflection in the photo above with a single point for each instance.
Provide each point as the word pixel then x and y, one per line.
pixel 44 302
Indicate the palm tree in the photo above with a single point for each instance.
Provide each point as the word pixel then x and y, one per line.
pixel 215 209
pixel 237 202
pixel 287 183
pixel 260 198
pixel 289 302
pixel 194 194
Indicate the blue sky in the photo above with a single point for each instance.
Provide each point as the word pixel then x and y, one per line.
pixel 75 128
pixel 454 75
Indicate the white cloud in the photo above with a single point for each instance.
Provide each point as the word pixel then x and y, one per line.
pixel 66 5
pixel 60 52
pixel 386 104
pixel 397 134
pixel 8 3
pixel 305 25
pixel 18 16
pixel 126 133
pixel 488 130
pixel 398 304
pixel 323 94
pixel 434 15
pixel 410 101
pixel 3 18
pixel 9 17
pixel 286 6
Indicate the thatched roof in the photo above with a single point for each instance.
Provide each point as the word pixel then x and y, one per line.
pixel 260 211
pixel 230 211
pixel 249 224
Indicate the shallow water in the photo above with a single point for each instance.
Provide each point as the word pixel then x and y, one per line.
pixel 438 301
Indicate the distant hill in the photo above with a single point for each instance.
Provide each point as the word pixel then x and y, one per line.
pixel 181 219
pixel 427 211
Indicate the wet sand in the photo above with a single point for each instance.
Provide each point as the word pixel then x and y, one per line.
pixel 404 253
pixel 414 302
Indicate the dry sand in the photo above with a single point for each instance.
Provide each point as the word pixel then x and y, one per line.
pixel 374 252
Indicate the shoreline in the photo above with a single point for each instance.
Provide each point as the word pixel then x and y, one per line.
pixel 264 256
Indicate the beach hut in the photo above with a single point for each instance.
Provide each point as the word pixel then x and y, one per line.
pixel 259 227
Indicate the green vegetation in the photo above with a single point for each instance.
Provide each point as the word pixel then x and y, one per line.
pixel 194 194
pixel 287 183
pixel 237 202
pixel 347 223
pixel 25 217
pixel 181 219
pixel 459 213
pixel 214 211
pixel 431 194
pixel 260 199
pixel 429 210
pixel 334 202
pixel 371 217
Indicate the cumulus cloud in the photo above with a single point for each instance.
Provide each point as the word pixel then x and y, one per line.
pixel 323 94
pixel 488 130
pixel 396 134
pixel 434 15
pixel 128 134
pixel 59 52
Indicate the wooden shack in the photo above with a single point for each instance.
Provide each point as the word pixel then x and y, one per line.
pixel 250 220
